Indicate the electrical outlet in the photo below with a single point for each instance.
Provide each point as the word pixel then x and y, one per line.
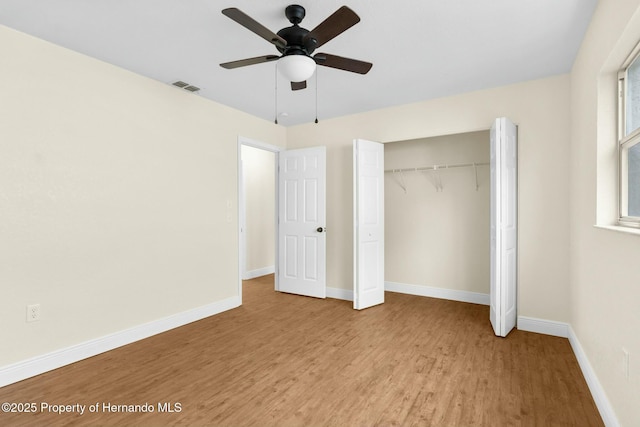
pixel 33 312
pixel 625 362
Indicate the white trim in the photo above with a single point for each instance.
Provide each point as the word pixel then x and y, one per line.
pixel 597 392
pixel 442 293
pixel 339 293
pixel 547 327
pixel 541 326
pixel 242 208
pixel 40 364
pixel 259 144
pixel 258 272
pixel 619 228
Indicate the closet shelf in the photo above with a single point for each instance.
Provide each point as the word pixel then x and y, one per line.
pixel 437 180
pixel 437 167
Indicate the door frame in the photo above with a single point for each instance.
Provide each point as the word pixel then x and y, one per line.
pixel 461 131
pixel 242 240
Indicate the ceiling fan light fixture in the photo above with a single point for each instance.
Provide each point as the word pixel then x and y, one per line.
pixel 296 68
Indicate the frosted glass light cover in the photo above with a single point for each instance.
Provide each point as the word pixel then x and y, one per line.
pixel 296 68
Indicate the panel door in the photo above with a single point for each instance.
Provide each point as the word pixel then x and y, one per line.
pixel 302 222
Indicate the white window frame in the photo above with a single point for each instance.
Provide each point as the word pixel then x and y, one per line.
pixel 625 142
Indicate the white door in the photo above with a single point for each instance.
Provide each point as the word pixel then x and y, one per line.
pixel 504 202
pixel 368 179
pixel 302 222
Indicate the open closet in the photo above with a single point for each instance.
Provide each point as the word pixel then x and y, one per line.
pixel 437 216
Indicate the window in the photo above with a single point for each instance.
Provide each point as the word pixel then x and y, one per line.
pixel 629 140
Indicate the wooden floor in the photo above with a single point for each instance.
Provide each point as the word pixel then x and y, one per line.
pixel 286 360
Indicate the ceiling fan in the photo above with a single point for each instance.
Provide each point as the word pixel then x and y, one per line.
pixel 296 44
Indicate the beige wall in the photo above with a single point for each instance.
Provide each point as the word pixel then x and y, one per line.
pixel 605 277
pixel 438 238
pixel 114 196
pixel 114 191
pixel 258 171
pixel 540 109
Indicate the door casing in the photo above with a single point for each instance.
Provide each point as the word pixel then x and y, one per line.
pixel 242 248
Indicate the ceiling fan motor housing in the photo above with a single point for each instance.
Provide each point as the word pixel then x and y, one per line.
pixel 295 35
pixel 296 42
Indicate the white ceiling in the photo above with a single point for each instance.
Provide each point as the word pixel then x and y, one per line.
pixel 420 49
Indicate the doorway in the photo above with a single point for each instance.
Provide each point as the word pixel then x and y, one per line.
pixel 257 203
pixel 282 216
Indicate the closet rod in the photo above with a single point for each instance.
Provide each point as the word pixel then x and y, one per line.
pixel 438 167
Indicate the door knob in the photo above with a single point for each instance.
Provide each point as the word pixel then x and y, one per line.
pixel 321 229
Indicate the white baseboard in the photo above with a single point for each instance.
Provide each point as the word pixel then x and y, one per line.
pixel 40 364
pixel 248 275
pixel 599 396
pixel 429 291
pixel 339 293
pixel 35 366
pixel 547 327
pixel 564 330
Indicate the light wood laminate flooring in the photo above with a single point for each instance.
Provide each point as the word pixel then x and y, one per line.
pixel 287 360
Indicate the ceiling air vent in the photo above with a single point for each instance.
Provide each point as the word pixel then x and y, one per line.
pixel 186 86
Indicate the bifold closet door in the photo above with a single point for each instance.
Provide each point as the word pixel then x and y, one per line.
pixel 504 216
pixel 368 208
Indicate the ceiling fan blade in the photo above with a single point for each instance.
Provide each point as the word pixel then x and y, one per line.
pixel 346 64
pixel 251 24
pixel 341 20
pixel 249 61
pixel 298 85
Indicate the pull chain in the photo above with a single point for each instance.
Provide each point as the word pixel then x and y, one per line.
pixel 316 95
pixel 275 115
